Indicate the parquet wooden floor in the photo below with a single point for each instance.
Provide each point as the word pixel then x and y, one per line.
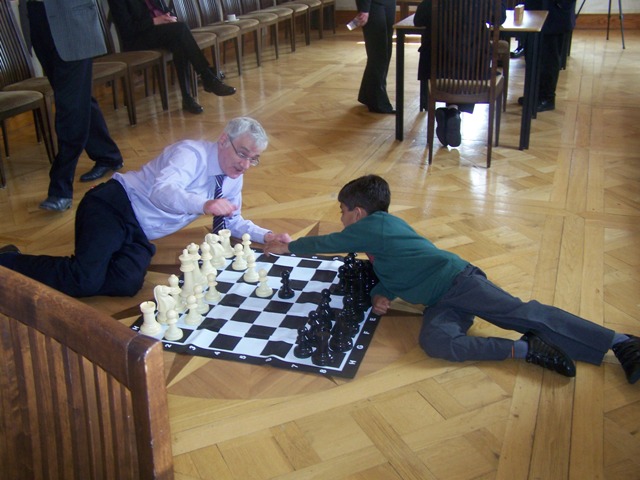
pixel 558 222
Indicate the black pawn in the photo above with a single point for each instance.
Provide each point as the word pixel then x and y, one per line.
pixel 303 348
pixel 341 339
pixel 322 355
pixel 286 291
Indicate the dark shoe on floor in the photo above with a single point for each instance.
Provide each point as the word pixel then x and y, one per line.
pixel 628 353
pixel 213 84
pixel 99 171
pixel 548 356
pixel 389 110
pixel 517 53
pixel 56 204
pixel 543 105
pixel 9 249
pixel 190 105
pixel 454 138
pixel 441 125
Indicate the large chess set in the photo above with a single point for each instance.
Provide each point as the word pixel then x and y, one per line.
pixel 309 314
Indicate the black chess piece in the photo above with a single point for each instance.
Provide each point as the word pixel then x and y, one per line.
pixel 352 316
pixel 327 316
pixel 286 291
pixel 322 355
pixel 314 327
pixel 341 336
pixel 303 348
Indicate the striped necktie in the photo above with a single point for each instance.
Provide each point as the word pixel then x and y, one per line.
pixel 218 221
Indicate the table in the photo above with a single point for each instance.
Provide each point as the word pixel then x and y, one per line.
pixel 528 29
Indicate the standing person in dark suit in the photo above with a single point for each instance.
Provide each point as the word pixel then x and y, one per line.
pixel 376 17
pixel 65 35
pixel 560 22
pixel 149 24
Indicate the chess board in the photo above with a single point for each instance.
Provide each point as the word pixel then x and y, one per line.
pixel 263 331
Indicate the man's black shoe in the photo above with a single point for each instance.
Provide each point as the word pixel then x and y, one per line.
pixel 190 105
pixel 56 204
pixel 213 84
pixel 543 105
pixel 517 53
pixel 548 356
pixel 628 353
pixel 9 249
pixel 441 125
pixel 454 138
pixel 99 171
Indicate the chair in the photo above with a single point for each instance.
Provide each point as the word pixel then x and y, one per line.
pixel 463 64
pixel 247 25
pixel 300 11
pixel 285 15
pixel 316 6
pixel 188 12
pixel 82 395
pixel 269 20
pixel 138 62
pixel 15 103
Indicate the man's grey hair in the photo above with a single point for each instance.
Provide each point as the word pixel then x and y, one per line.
pixel 246 125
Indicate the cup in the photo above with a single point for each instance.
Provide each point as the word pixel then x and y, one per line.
pixel 518 14
pixel 353 24
pixel 231 17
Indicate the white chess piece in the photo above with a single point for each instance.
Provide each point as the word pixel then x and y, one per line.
pixel 199 294
pixel 225 241
pixel 174 285
pixel 251 276
pixel 198 277
pixel 206 257
pixel 217 250
pixel 239 263
pixel 193 317
pixel 164 301
pixel 186 267
pixel 263 290
pixel 173 332
pixel 149 325
pixel 212 294
pixel 246 245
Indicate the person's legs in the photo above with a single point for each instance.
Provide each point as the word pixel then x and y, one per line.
pixel 474 294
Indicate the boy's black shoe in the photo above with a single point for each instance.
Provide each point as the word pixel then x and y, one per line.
pixel 628 353
pixel 9 249
pixel 548 356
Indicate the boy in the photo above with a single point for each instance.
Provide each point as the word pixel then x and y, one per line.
pixel 411 267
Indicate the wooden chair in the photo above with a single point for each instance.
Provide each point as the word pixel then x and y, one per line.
pixel 285 15
pixel 138 63
pixel 268 20
pixel 463 64
pixel 248 26
pixel 315 7
pixel 188 11
pixel 16 103
pixel 82 396
pixel 301 11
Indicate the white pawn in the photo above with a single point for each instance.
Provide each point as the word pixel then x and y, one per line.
pixel 225 241
pixel 212 294
pixel 206 258
pixel 246 245
pixel 263 290
pixel 239 263
pixel 174 285
pixel 173 332
pixel 199 294
pixel 251 276
pixel 149 326
pixel 193 317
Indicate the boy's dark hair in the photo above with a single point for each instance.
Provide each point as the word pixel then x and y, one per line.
pixel 369 192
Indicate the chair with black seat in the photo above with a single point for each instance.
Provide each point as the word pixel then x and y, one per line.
pixel 17 102
pixel 83 395
pixel 463 65
pixel 188 12
pixel 138 62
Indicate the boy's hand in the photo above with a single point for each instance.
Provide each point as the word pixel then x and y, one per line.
pixel 277 247
pixel 277 237
pixel 380 304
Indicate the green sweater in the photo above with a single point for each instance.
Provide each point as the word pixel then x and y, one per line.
pixel 408 265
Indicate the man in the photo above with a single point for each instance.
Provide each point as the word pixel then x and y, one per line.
pixel 117 220
pixel 66 35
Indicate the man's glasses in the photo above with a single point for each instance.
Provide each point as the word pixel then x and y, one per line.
pixel 253 161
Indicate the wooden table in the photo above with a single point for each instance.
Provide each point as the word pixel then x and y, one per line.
pixel 529 29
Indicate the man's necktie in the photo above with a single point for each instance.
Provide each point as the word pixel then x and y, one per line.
pixel 218 221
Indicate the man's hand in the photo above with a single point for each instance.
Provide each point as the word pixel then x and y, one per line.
pixel 277 247
pixel 219 208
pixel 362 18
pixel 380 304
pixel 162 19
pixel 278 237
